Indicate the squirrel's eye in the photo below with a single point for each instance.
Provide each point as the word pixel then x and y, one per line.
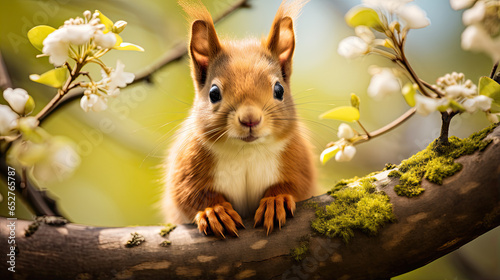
pixel 278 91
pixel 214 94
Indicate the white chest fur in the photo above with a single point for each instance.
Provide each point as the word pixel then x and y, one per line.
pixel 244 173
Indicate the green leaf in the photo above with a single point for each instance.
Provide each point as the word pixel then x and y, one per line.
pixel 490 88
pixel 37 34
pixel 54 78
pixel 355 101
pixel 364 16
pixel 409 94
pixel 106 21
pixel 343 113
pixel 328 153
pixel 128 47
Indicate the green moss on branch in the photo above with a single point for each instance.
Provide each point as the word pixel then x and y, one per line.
pixel 359 207
pixel 436 162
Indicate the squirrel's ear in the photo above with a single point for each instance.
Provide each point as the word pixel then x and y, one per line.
pixel 204 46
pixel 281 43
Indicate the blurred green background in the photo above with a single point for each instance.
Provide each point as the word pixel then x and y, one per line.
pixel 118 182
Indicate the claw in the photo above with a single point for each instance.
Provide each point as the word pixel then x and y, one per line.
pixel 273 209
pixel 219 219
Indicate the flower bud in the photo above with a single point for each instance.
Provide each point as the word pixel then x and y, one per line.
pixel 346 154
pixel 365 33
pixel 19 100
pixel 119 26
pixel 426 105
pixel 414 17
pixel 87 14
pixel 383 83
pixel 345 131
pixel 105 41
pixel 8 119
pixel 353 47
pixel 461 4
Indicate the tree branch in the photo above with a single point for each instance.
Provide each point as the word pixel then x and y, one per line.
pixel 437 222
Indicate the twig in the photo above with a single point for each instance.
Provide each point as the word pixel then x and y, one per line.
pixel 5 81
pixel 429 86
pixel 60 93
pixel 493 70
pixel 395 123
pixel 364 129
pixel 172 55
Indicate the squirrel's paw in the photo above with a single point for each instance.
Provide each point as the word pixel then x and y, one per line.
pixel 218 219
pixel 274 208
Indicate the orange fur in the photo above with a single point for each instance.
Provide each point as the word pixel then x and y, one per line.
pixel 248 146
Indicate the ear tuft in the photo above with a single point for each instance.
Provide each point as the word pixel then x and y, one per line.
pixel 281 38
pixel 204 43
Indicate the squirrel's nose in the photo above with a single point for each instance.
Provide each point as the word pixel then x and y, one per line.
pixel 249 121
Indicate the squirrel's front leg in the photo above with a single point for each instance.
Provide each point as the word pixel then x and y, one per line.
pixel 218 219
pixel 212 213
pixel 274 206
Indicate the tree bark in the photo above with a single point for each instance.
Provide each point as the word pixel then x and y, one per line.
pixel 429 226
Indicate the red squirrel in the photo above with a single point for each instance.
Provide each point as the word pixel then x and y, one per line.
pixel 242 151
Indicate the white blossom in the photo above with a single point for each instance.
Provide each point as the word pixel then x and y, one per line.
pixel 426 105
pixel 455 86
pixel 96 95
pixel 475 38
pixel 345 131
pixel 76 32
pixel 16 98
pixel 57 43
pixel 365 33
pixel 483 23
pixel 461 4
pixel 119 78
pixel 8 119
pixel 456 91
pixel 480 102
pixel 474 14
pixel 413 16
pixel 353 47
pixel 56 48
pixel 93 102
pixel 105 41
pixel 345 154
pixel 100 105
pixel 383 83
pixel 389 5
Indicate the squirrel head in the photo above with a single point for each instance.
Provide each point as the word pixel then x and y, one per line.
pixel 243 87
